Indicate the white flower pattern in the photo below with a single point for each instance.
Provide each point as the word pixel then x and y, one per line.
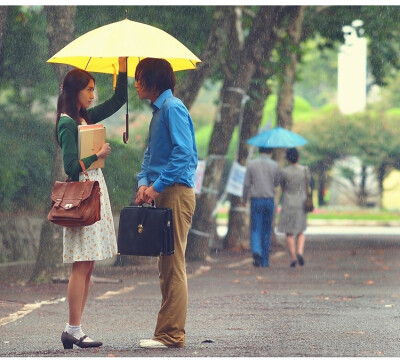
pixel 97 241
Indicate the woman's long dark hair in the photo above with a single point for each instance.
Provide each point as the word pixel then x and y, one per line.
pixel 74 82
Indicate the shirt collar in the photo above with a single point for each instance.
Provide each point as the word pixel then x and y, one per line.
pixel 161 99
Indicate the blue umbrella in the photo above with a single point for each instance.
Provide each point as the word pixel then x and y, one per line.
pixel 277 137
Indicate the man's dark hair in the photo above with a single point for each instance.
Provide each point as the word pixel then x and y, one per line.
pixel 265 149
pixel 155 74
pixel 292 155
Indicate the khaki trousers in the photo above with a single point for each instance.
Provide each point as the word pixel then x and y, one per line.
pixel 170 328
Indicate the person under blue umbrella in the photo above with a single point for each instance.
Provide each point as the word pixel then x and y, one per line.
pixel 261 179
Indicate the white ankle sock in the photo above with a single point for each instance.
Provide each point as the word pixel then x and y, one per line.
pixel 76 332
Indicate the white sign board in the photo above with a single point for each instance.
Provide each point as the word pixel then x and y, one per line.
pixel 199 176
pixel 236 179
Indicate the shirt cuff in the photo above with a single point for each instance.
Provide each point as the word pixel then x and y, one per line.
pixel 143 182
pixel 158 186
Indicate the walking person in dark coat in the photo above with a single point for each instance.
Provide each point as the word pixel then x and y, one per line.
pixel 262 176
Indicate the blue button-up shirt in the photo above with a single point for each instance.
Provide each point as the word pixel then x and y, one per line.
pixel 171 155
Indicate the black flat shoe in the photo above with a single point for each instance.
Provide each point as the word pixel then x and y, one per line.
pixel 256 260
pixel 68 341
pixel 300 259
pixel 293 264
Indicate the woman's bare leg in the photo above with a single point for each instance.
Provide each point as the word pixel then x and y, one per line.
pixel 87 286
pixel 78 288
pixel 291 246
pixel 301 239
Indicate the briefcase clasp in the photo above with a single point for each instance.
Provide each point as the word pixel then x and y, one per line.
pixel 140 228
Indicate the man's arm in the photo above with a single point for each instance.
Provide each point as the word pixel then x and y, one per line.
pixel 181 138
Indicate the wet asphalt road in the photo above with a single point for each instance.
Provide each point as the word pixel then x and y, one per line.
pixel 344 302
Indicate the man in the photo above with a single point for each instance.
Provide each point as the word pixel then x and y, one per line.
pixel 262 176
pixel 166 177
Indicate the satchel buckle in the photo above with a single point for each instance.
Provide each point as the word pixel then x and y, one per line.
pixel 140 228
pixel 68 206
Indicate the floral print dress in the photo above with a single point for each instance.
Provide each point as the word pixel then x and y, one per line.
pixel 93 242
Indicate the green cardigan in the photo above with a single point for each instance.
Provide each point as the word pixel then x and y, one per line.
pixel 67 129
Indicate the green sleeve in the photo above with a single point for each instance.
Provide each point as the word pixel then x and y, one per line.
pixel 68 139
pixel 109 107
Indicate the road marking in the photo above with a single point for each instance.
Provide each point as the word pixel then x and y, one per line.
pixel 110 293
pixel 26 309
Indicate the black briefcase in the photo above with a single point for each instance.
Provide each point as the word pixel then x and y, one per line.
pixel 145 231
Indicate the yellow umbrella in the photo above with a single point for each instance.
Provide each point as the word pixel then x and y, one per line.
pixel 98 50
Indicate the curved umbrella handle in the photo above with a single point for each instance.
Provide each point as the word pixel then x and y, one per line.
pixel 125 135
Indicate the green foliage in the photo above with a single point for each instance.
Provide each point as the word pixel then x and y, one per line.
pixel 23 58
pixel 26 149
pixel 372 136
pixel 355 214
pixel 313 84
pixel 122 167
pixel 202 140
pixel 302 110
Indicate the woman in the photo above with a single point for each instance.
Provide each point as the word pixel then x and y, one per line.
pixel 83 245
pixel 293 218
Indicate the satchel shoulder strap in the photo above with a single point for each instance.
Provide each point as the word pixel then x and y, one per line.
pixel 84 169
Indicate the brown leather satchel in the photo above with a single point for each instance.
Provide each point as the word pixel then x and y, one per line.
pixel 75 203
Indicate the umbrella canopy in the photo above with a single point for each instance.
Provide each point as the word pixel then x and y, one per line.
pixel 99 49
pixel 277 137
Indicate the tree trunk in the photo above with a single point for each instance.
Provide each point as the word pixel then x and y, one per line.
pixel 239 70
pixel 60 32
pixel 381 177
pixel 289 57
pixel 189 87
pixel 321 186
pixel 237 237
pixel 3 21
pixel 362 194
pixel 238 219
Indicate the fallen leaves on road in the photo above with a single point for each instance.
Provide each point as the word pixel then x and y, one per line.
pixel 346 299
pixel 264 292
pixel 369 282
pixel 355 332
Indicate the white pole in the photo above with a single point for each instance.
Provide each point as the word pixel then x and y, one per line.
pixel 352 70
